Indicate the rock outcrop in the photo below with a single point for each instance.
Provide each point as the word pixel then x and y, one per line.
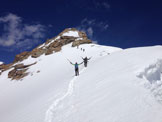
pixel 21 56
pixel 79 42
pixel 5 67
pixel 17 74
pixel 37 52
pixel 19 71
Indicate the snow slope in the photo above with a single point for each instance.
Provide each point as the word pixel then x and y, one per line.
pixel 117 86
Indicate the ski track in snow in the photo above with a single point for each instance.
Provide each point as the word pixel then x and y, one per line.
pixel 52 109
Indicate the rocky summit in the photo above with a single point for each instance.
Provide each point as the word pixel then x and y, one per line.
pixel 70 35
pixel 53 45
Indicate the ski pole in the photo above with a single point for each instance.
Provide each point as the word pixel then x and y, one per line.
pixel 69 61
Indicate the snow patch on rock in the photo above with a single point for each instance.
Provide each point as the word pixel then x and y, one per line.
pixel 78 39
pixel 71 33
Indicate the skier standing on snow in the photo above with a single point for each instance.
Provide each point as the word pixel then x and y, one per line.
pixel 85 60
pixel 76 65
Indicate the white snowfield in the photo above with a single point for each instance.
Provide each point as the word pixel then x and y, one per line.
pixel 117 86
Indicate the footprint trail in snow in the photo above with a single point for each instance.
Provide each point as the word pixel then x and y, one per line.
pixel 57 104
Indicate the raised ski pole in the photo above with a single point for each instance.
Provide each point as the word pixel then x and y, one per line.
pixel 69 61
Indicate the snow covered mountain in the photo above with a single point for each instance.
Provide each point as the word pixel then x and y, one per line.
pixel 117 86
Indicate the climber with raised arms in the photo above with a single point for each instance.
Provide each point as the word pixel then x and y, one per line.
pixel 76 66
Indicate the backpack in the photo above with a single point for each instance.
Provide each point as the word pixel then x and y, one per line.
pixel 76 66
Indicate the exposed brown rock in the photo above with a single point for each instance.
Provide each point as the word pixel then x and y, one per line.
pixel 51 49
pixel 19 71
pixel 82 35
pixel 55 44
pixel 21 56
pixel 86 41
pixel 78 42
pixel 17 74
pixel 5 67
pixel 57 49
pixel 67 39
pixel 21 66
pixel 49 40
pixel 37 52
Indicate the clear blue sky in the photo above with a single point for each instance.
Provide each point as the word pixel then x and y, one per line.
pixel 123 23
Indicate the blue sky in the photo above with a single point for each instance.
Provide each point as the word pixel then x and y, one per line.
pixel 122 23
